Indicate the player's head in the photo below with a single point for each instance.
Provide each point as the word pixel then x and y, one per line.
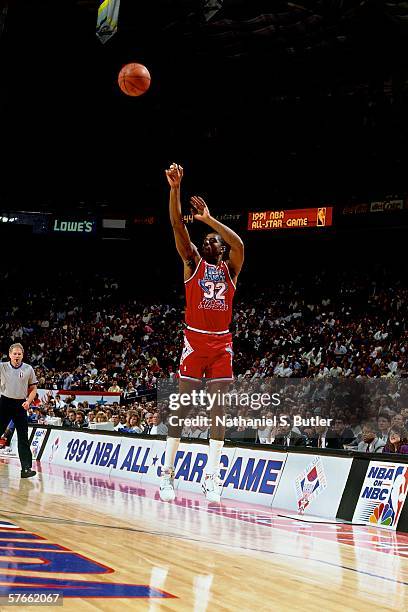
pixel 16 353
pixel 214 248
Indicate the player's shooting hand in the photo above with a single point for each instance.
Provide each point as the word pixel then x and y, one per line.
pixel 26 405
pixel 174 175
pixel 200 208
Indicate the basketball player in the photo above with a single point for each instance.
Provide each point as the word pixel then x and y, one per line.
pixel 210 286
pixel 18 387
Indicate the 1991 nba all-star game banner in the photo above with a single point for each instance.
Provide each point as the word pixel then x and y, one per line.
pixel 298 483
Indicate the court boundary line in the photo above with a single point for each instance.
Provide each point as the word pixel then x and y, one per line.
pixel 322 522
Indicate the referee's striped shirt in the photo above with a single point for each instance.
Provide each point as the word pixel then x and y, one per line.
pixel 14 382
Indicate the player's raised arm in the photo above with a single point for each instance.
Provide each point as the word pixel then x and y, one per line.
pixel 236 255
pixel 186 249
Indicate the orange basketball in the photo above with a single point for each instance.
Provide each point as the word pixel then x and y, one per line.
pixel 134 79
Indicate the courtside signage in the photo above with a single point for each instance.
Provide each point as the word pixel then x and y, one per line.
pixel 102 454
pixel 37 441
pixel 65 226
pixel 253 476
pixel 247 475
pixel 312 484
pixel 382 495
pixel 291 219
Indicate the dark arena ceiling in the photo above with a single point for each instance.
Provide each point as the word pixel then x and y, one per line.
pixel 258 99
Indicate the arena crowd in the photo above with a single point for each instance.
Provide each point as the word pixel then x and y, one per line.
pixel 311 335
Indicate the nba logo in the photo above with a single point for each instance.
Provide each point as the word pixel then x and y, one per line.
pixel 54 449
pixel 321 217
pixel 21 374
pixel 310 484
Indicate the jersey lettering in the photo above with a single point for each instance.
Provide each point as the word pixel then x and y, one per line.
pixel 209 297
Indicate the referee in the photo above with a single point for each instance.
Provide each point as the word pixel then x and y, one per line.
pixel 18 386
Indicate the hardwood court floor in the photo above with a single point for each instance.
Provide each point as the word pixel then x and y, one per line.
pixel 207 557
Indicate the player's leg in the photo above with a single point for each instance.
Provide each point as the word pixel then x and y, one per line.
pixel 176 419
pixel 7 436
pixel 24 451
pixel 220 377
pixel 175 426
pixel 4 416
pixel 192 365
pixel 212 486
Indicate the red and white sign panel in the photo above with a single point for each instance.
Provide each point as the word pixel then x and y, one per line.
pixel 291 219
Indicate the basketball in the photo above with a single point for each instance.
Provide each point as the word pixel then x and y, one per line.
pixel 134 79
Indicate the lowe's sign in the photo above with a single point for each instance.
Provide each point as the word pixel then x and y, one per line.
pixel 87 226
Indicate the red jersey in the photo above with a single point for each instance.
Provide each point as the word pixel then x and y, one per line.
pixel 209 296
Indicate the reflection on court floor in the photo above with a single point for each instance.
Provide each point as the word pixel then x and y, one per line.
pixel 187 554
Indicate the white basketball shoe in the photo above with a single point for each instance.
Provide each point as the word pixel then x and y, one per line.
pixel 212 487
pixel 166 490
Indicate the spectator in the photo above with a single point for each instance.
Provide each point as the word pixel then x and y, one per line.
pixel 68 380
pixel 264 435
pixel 398 421
pixel 200 431
pixel 158 428
pixel 241 434
pixel 325 438
pixel 355 426
pixel 397 441
pixel 130 394
pixel 80 419
pixel 36 401
pixel 101 417
pixel 286 436
pixel 50 416
pixel 32 415
pixel 69 421
pixel 370 443
pixel 117 426
pixel 343 433
pixel 404 413
pixel 149 423
pixel 383 424
pixel 133 423
pixel 114 388
pixel 310 434
pixel 59 403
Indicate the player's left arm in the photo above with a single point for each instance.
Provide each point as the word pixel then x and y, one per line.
pixel 236 255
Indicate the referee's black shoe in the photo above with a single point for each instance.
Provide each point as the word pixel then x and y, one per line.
pixel 27 473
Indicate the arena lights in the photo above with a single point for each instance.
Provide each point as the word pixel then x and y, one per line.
pixel 4 219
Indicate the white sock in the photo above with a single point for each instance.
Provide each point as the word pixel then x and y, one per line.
pixel 171 450
pixel 214 457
